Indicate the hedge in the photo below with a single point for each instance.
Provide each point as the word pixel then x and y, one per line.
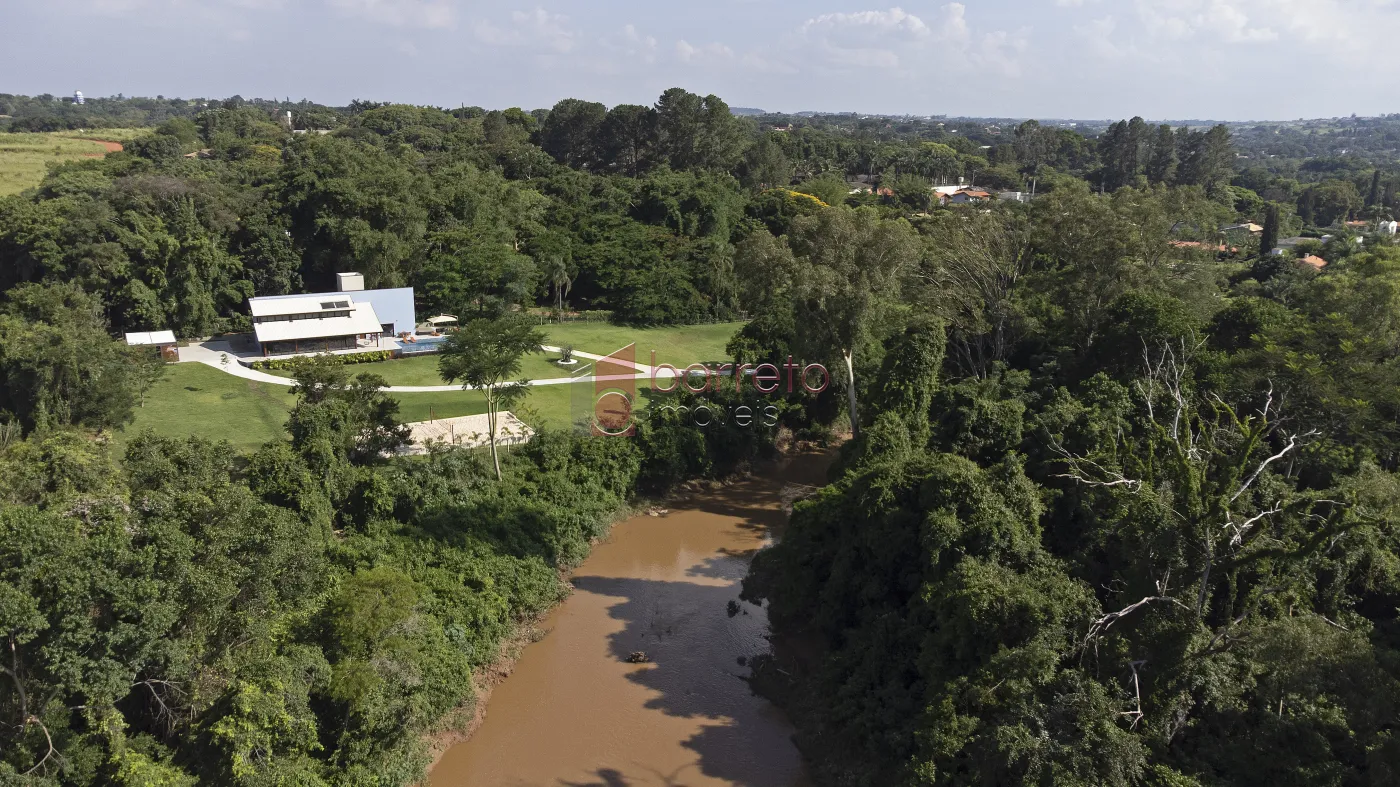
pixel 283 364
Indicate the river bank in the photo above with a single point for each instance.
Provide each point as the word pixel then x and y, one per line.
pixel 575 711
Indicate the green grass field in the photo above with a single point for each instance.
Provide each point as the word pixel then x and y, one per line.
pixel 423 369
pixel 679 345
pixel 196 399
pixel 24 158
pixel 108 134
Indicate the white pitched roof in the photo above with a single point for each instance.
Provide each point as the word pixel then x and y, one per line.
pixel 309 304
pixel 362 319
pixel 150 337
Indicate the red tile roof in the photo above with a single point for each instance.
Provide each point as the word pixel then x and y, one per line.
pixel 1315 261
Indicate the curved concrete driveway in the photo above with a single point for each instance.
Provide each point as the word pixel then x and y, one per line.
pixel 226 362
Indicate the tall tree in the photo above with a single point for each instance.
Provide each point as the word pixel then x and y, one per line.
pixel 59 367
pixel 629 138
pixel 1268 240
pixel 560 278
pixel 697 132
pixel 485 355
pixel 570 133
pixel 849 267
pixel 1161 164
pixel 1207 158
pixel 1034 144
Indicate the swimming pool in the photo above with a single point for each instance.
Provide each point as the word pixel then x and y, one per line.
pixel 423 344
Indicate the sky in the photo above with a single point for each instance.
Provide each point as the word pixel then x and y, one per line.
pixel 1081 59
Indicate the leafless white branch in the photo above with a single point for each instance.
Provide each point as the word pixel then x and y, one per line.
pixel 1292 444
pixel 1136 714
pixel 1102 624
pixel 1243 527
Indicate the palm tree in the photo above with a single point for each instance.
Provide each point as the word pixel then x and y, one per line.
pixel 559 279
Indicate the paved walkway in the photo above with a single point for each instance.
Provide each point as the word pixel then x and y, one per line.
pixel 219 356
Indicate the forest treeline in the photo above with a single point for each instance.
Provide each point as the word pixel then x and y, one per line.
pixel 635 210
pixel 1119 506
pixel 1112 515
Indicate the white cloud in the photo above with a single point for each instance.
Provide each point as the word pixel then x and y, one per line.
pixel 897 40
pixel 705 53
pixel 536 27
pixel 631 43
pixel 1098 36
pixel 881 38
pixel 1218 19
pixel 867 27
pixel 400 13
pixel 1002 51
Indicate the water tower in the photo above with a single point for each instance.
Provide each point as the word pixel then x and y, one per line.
pixel 77 96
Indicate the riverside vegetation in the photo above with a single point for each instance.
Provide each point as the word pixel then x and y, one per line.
pixel 1119 506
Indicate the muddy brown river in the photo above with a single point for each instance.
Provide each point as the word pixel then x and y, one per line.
pixel 576 713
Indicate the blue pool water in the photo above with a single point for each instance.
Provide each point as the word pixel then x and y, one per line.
pixel 424 344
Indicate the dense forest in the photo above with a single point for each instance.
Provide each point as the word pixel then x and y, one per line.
pixel 1118 505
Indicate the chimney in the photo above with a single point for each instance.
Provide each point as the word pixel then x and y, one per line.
pixel 350 282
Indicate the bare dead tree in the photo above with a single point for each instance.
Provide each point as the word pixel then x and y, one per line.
pixel 1136 713
pixel 973 268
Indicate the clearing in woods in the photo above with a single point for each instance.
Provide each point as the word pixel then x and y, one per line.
pixel 24 158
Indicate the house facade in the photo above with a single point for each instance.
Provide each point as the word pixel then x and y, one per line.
pixel 350 318
pixel 286 325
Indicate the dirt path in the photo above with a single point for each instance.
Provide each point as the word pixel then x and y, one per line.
pixel 111 147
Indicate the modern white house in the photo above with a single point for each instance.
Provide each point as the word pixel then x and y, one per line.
pixel 313 323
pixel 349 319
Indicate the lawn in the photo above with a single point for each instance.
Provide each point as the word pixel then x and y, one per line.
pixel 678 345
pixel 423 369
pixel 24 158
pixel 196 399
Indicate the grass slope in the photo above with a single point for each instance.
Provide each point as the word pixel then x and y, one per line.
pixel 25 158
pixel 423 369
pixel 196 399
pixel 679 345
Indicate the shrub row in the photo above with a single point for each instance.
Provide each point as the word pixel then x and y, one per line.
pixel 283 364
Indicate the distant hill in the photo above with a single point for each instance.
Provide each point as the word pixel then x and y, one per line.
pixel 746 111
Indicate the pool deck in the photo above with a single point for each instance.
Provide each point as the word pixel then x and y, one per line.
pixel 470 431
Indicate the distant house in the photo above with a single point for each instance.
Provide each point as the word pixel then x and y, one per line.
pixel 1250 227
pixel 1312 259
pixel 1285 244
pixel 352 318
pixel 1013 196
pixel 964 196
pixel 163 341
